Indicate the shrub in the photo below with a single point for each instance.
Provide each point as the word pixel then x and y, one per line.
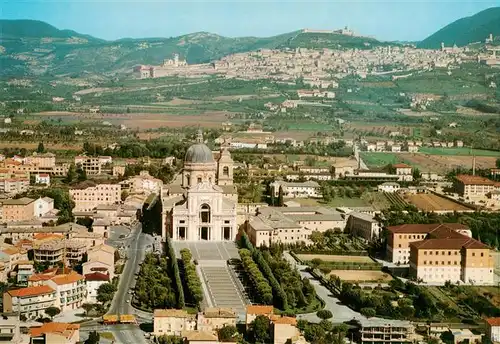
pixel 324 314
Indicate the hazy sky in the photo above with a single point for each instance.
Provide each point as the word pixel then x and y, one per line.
pixel 112 19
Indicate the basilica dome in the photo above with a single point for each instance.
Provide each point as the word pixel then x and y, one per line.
pixel 199 153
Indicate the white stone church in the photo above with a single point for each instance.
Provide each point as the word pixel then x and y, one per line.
pixel 201 203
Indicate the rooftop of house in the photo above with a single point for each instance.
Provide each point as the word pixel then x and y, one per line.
pixel 199 336
pixel 260 310
pixel 19 201
pixel 172 313
pixel 474 180
pixel 401 166
pixel 219 312
pixel 31 291
pixel 67 278
pixel 63 329
pixel 493 321
pixel 424 228
pixel 97 276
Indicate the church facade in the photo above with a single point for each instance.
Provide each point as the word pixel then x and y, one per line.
pixel 202 203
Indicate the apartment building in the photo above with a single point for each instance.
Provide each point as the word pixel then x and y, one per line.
pixel 296 189
pixel 401 236
pixel 388 187
pixel 384 331
pixel 41 160
pixel 291 224
pixel 91 165
pixel 363 225
pixel 214 318
pixel 446 255
pixel 10 329
pixel 252 311
pixel 21 209
pixel 70 289
pixel 30 301
pixel 14 186
pixel 143 183
pixel 56 249
pixel 493 329
pixel 403 171
pixel 172 322
pixel 93 281
pixel 55 333
pixel 88 198
pixel 474 186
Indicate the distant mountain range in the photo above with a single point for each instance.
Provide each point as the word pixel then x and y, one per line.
pixel 35 48
pixel 30 47
pixel 467 30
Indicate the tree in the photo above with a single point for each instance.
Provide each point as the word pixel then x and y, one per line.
pixel 324 314
pixel 317 237
pixel 87 307
pixel 261 329
pixel 41 148
pixel 71 175
pixel 52 311
pixel 85 221
pixel 82 174
pixel 368 312
pixel 94 338
pixel 281 202
pixel 124 195
pixel 497 163
pixel 416 174
pixel 227 333
pixel 105 292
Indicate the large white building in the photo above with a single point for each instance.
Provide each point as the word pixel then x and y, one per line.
pixel 296 189
pixel 203 206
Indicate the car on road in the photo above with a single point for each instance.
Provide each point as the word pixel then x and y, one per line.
pixel 128 301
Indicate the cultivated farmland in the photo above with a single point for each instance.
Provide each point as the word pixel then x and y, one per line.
pixel 432 202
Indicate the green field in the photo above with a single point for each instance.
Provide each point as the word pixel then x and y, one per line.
pixel 458 151
pixel 379 159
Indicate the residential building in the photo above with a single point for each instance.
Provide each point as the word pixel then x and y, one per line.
pixel 44 161
pixel 446 255
pixel 21 209
pixel 363 225
pixel 42 178
pixel 400 237
pixel 24 272
pixel 93 281
pixel 253 311
pixel 98 266
pixel 493 329
pixel 55 333
pixel 54 249
pixel 88 198
pixel 296 189
pixel 474 186
pixel 30 301
pixel 91 165
pixel 291 224
pixel 388 187
pixel 143 183
pixel 403 171
pixel 103 253
pixel 384 331
pixel 172 322
pixel 11 256
pixel 10 329
pixel 199 337
pixel 284 330
pixel 214 318
pixel 14 186
pixel 70 289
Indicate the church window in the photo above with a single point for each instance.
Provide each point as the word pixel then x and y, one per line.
pixel 225 171
pixel 205 213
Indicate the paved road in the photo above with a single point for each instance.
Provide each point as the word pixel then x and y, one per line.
pixel 341 312
pixel 137 242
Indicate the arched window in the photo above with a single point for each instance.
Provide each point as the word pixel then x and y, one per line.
pixel 205 213
pixel 188 179
pixel 199 180
pixel 225 171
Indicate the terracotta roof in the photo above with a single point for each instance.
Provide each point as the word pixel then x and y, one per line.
pixel 284 320
pixel 260 310
pixel 493 321
pixel 67 278
pixel 67 330
pixel 424 228
pixel 218 312
pixel 401 166
pixel 96 276
pixel 31 291
pixel 449 244
pixel 474 180
pixel 40 277
pixel 199 336
pixel 103 247
pixel 171 313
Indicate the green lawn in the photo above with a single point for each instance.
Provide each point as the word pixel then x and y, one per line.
pixel 379 159
pixel 458 151
pixel 347 202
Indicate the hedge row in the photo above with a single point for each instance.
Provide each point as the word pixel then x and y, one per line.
pixel 261 284
pixel 330 252
pixel 174 269
pixel 281 301
pixel 192 279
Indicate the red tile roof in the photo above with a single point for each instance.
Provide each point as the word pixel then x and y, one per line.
pixel 401 166
pixel 96 276
pixel 31 291
pixel 493 321
pixel 474 180
pixel 64 329
pixel 425 228
pixel 449 244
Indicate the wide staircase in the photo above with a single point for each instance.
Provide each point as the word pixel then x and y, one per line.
pixel 224 289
